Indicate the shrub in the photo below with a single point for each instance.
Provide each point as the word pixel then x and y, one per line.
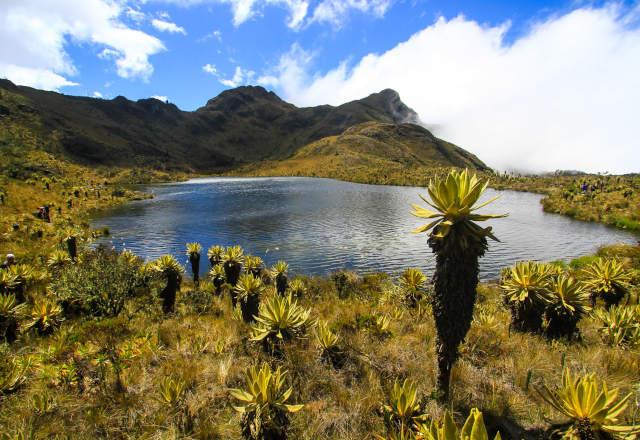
pixel 446 429
pixel 280 319
pixel 10 313
pixel 193 252
pixel 233 259
pixel 217 276
pixel 458 241
pixel 264 408
pixel 298 288
pixel 171 391
pixel 215 254
pixel 248 292
pixel 567 303
pixel 23 275
pixel 620 325
pixel 403 409
pixel 58 259
pixel 524 288
pixel 253 265
pixel 327 343
pixel 45 316
pixel 345 283
pixel 381 325
pixel 13 374
pixel 99 285
pixel 593 409
pixel 7 282
pixel 279 273
pixel 172 272
pixel 607 279
pixel 413 284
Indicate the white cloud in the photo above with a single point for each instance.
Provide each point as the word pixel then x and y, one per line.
pixel 161 98
pixel 240 77
pixel 336 11
pixel 34 34
pixel 268 81
pixel 108 54
pixel 167 26
pixel 243 10
pixel 563 96
pixel 324 11
pixel 216 35
pixel 210 68
pixel 135 15
pixel 97 95
pixel 298 11
pixel 34 77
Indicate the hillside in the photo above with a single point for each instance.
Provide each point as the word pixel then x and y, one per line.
pixel 239 126
pixel 371 152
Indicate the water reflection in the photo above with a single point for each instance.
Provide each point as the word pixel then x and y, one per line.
pixel 321 225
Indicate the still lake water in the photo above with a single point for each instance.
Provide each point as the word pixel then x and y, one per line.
pixel 322 225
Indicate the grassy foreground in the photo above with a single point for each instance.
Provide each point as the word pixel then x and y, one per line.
pixel 110 377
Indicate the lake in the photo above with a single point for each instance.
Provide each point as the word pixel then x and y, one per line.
pixel 322 225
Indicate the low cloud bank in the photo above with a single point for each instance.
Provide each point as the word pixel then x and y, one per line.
pixel 563 96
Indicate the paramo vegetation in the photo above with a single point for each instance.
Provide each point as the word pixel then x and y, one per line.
pixel 100 344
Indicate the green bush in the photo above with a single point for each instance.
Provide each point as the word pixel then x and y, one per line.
pixel 98 285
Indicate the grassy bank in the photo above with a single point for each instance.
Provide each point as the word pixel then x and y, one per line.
pixel 612 200
pixel 34 173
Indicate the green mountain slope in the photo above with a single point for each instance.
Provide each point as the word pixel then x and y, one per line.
pixel 372 152
pixel 239 126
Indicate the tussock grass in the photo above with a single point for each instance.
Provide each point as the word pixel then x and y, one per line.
pixel 497 372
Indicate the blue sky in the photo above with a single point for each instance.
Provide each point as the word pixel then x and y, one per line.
pixel 205 33
pixel 467 67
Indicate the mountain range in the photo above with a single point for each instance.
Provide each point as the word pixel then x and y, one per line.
pixel 239 127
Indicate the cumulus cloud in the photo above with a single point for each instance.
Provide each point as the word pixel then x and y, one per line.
pixel 97 95
pixel 167 26
pixel 160 98
pixel 241 76
pixel 34 77
pixel 34 34
pixel 210 68
pixel 562 96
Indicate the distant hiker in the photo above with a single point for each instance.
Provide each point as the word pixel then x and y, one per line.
pixel 47 218
pixel 584 187
pixel 10 261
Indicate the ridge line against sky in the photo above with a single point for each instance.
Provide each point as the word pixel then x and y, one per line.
pixel 532 85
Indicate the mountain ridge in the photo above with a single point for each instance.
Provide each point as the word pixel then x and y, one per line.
pixel 248 124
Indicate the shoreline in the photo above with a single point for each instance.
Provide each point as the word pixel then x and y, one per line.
pixel 207 183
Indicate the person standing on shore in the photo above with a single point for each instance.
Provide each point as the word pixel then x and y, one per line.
pixel 10 261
